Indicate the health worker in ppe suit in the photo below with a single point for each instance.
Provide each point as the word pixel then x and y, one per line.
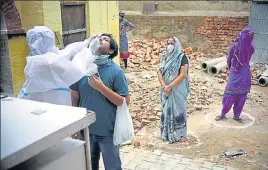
pixel 49 71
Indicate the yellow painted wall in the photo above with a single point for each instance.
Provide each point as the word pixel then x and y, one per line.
pixel 31 13
pixel 52 15
pixel 17 52
pixel 103 16
pixel 100 16
pixel 36 13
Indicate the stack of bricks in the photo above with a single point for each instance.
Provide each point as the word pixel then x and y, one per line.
pixel 220 31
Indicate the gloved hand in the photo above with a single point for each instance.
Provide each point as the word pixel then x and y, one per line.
pixel 90 39
pixel 94 43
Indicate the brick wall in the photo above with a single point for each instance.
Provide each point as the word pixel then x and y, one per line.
pixel 220 31
pixel 208 34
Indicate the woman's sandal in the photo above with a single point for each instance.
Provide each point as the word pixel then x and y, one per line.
pixel 218 118
pixel 238 119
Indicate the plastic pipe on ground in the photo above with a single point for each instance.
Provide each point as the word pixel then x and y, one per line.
pixel 206 64
pixel 214 70
pixel 263 80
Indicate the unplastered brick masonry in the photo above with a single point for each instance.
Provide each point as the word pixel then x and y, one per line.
pixel 221 31
pixel 208 34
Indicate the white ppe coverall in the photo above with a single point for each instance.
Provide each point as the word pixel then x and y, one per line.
pixel 49 71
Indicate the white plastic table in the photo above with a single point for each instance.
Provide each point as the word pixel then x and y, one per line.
pixel 24 134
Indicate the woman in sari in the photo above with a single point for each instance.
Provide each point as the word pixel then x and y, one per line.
pixel 239 82
pixel 173 76
pixel 123 25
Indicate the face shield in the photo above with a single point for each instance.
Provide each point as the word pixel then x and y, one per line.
pixel 41 40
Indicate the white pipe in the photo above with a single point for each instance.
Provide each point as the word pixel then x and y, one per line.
pixel 214 70
pixel 263 80
pixel 206 64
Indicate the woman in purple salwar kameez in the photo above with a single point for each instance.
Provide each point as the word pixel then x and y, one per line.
pixel 239 82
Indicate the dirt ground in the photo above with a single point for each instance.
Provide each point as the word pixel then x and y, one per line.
pixel 206 138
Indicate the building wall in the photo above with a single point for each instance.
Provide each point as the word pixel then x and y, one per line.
pixel 208 25
pixel 5 76
pixel 259 23
pixel 52 15
pixel 17 55
pixel 100 15
pixel 219 32
pixel 208 34
pixel 103 16
pixel 188 5
pixel 31 13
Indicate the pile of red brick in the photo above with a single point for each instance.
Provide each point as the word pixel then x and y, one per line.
pixel 145 54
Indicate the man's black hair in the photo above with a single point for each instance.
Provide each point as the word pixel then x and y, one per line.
pixel 113 45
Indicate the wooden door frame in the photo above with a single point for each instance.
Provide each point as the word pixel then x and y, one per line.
pixel 85 16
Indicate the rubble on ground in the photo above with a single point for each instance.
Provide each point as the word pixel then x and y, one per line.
pixel 145 104
pixel 232 153
pixel 256 70
pixel 145 54
pixel 145 89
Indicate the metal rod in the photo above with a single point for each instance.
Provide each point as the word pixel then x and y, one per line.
pixel 88 155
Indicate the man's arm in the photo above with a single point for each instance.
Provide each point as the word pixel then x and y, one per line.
pixel 120 89
pixel 75 98
pixel 113 96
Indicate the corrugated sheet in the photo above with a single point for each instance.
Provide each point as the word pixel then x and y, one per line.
pixel 259 23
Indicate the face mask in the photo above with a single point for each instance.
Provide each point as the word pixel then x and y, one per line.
pixel 102 59
pixel 170 48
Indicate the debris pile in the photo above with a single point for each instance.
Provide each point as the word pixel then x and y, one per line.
pixel 145 54
pixel 233 153
pixel 145 104
pixel 145 101
pixel 256 71
pixel 144 87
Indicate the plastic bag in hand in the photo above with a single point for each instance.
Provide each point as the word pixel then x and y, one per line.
pixel 123 128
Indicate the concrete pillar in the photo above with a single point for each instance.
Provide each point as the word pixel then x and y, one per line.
pixel 13 48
